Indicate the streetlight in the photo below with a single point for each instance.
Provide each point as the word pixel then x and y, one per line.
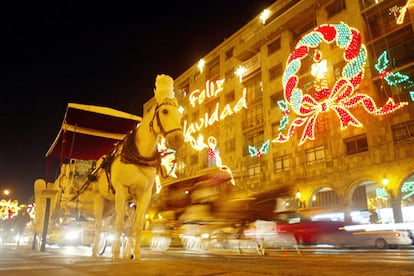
pixel 6 192
pixel 299 202
pixel 385 182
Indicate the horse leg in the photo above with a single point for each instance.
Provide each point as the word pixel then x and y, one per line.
pixel 120 200
pixel 98 209
pixel 142 205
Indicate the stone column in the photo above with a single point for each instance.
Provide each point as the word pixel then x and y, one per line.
pixel 396 209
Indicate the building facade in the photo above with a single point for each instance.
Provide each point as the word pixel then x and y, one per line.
pixel 315 100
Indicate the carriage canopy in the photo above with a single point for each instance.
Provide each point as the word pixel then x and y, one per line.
pixel 88 131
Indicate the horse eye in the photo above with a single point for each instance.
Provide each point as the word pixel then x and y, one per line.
pixel 165 111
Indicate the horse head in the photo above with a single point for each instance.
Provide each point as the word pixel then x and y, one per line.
pixel 167 115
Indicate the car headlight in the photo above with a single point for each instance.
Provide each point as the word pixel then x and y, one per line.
pixel 72 235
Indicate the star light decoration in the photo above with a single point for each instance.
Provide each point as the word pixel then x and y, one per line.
pixel 240 71
pixel 264 16
pixel 341 98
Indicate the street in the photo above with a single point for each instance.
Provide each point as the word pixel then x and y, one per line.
pixel 22 260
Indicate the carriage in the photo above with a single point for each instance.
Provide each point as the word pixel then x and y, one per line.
pixel 87 133
pixel 124 160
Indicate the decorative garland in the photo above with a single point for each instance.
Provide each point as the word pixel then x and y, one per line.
pixel 258 152
pixel 339 99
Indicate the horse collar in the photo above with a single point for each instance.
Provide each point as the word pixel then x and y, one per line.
pixel 130 153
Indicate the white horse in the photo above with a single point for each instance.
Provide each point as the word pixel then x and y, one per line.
pixel 129 173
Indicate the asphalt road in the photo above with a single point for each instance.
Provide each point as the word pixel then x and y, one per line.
pixel 23 261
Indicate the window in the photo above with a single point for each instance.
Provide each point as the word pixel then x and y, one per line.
pixel 194 159
pixel 195 116
pixel 230 145
pixel 213 69
pixel 325 197
pixel 366 3
pixel 315 155
pixel 196 76
pixel 281 164
pixel 229 75
pixel 275 129
pixel 380 23
pixel 273 46
pixel 403 131
pixel 253 89
pixel 275 71
pixel 254 116
pixel 303 28
pixel 335 7
pixel 230 97
pixel 211 107
pixel 338 67
pixel 255 139
pixel 274 98
pixel 253 170
pixel 356 144
pixel 229 53
pixel 184 90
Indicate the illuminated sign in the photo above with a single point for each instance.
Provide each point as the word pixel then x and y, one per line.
pixel 215 116
pixel 212 90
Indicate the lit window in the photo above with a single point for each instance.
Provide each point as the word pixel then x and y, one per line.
pixel 315 155
pixel 281 164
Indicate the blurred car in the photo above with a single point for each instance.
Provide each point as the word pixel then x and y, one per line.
pixel 310 232
pixel 379 239
pixel 66 234
pixel 268 235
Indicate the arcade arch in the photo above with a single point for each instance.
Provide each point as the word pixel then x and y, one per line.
pixel 368 202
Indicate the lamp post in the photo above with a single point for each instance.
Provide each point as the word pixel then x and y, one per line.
pixel 299 203
pixel 393 202
pixel 385 182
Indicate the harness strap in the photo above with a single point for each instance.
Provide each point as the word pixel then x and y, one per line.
pixel 130 154
pixel 108 177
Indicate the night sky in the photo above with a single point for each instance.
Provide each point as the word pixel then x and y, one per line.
pixel 105 53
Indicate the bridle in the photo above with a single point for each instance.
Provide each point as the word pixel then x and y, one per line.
pixel 158 120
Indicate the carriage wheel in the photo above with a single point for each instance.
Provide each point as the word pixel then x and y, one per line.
pixel 103 242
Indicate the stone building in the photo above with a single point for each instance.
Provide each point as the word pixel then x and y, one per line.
pixel 316 99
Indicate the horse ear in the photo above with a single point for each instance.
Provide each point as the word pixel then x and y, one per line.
pixel 164 88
